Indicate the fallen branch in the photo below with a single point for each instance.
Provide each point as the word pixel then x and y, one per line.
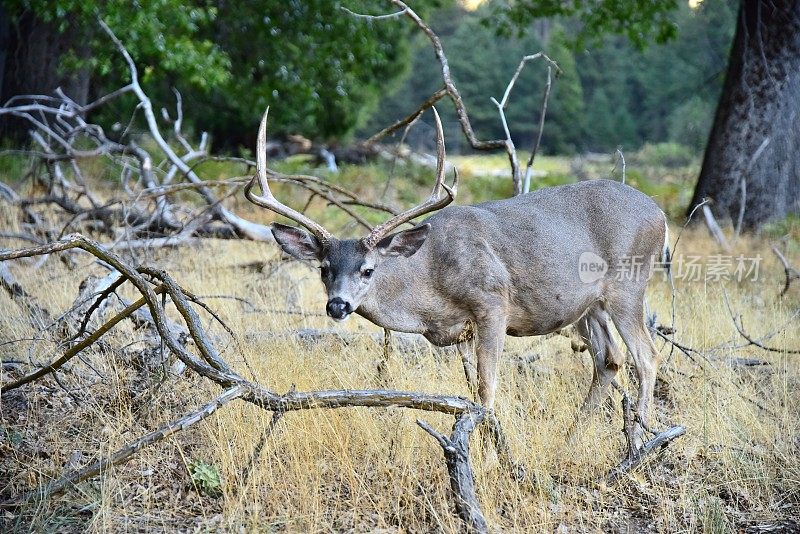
pixel 212 367
pixel 659 442
pixel 462 480
pixel 633 428
pixel 738 323
pixel 791 273
pixel 125 453
pixel 713 227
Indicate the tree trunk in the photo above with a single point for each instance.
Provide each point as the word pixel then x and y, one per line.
pixel 753 151
pixel 31 62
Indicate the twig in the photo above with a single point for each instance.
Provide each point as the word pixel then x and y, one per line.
pixel 714 228
pixel 452 92
pixel 670 255
pixel 791 273
pixel 628 422
pixel 96 304
pixel 738 323
pixel 374 17
pixel 656 444
pixel 620 158
pixel 503 449
pixel 125 453
pixel 542 114
pixel 262 440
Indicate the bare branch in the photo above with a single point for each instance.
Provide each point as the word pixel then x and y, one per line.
pixel 545 97
pixel 659 442
pixel 790 272
pixel 125 453
pixel 452 92
pixel 462 480
pixel 374 17
pixel 738 323
pixel 714 228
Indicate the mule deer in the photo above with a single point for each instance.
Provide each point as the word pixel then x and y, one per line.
pixel 515 266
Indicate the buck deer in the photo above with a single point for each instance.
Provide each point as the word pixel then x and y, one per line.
pixel 502 267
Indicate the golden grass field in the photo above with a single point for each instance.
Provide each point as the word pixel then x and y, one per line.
pixel 375 470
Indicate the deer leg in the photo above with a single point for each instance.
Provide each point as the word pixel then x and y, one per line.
pixel 606 356
pixel 629 320
pixel 490 338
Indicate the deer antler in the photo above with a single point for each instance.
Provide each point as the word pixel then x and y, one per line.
pixel 435 201
pixel 267 200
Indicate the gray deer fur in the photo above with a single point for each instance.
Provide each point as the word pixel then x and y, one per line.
pixel 506 267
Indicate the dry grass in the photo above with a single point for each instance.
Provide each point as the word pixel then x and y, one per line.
pixel 375 470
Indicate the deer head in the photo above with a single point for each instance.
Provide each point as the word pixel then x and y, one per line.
pixel 349 267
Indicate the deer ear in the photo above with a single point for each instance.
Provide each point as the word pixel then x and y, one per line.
pixel 296 242
pixel 404 243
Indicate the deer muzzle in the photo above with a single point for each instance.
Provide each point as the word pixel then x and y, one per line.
pixel 338 309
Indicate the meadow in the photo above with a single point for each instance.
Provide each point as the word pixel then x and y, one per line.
pixel 355 470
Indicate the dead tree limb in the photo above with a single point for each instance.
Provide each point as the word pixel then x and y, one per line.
pixel 516 176
pixel 125 453
pixel 450 90
pixel 637 455
pixel 791 273
pixel 212 367
pixel 462 479
pixel 738 323
pixel 659 442
pixel 526 186
pixel 714 228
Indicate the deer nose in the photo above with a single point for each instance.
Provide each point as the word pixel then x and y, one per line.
pixel 338 308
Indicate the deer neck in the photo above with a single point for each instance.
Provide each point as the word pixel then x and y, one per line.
pixel 398 295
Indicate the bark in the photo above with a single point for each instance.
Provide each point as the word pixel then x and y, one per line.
pixel 751 167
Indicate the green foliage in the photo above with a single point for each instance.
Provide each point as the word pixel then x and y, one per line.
pixel 565 121
pixel 205 478
pixel 692 67
pixel 319 68
pixel 789 227
pixel 610 96
pixel 325 73
pixel 10 436
pixel 163 37
pixel 638 20
pixel 690 122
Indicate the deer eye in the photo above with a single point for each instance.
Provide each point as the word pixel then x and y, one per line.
pixel 367 273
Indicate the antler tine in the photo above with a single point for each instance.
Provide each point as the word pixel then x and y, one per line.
pixel 267 200
pixel 435 201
